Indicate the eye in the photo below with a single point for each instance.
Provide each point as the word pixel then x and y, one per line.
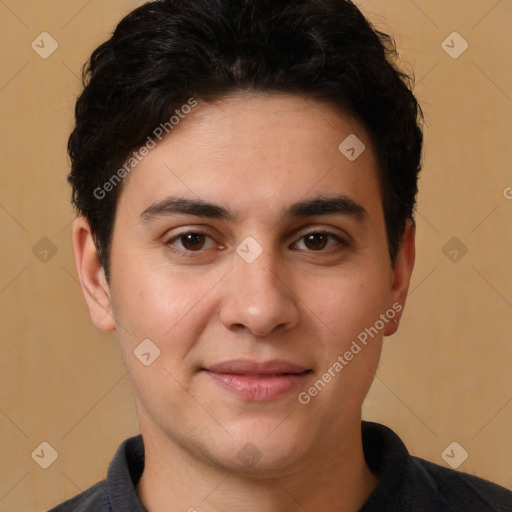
pixel 319 241
pixel 191 242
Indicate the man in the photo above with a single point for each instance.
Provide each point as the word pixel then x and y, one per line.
pixel 245 173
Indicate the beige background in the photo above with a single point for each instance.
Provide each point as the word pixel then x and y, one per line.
pixel 446 376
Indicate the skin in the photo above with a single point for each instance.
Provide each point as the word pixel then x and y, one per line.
pixel 255 155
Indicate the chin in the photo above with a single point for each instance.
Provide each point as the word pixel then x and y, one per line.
pixel 259 448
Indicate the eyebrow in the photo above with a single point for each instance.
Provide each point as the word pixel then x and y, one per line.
pixel 341 205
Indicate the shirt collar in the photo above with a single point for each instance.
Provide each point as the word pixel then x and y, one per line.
pixel 385 454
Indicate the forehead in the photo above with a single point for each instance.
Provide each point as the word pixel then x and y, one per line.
pixel 259 150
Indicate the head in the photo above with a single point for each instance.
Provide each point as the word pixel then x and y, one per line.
pixel 221 217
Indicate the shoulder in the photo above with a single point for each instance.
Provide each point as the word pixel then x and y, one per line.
pixel 455 490
pixel 92 499
pixel 117 491
pixel 412 484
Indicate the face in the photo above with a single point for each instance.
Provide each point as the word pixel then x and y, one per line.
pixel 253 254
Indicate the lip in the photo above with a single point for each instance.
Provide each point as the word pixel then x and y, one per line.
pixel 258 381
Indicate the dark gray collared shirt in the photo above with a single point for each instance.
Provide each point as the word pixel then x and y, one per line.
pixel 406 483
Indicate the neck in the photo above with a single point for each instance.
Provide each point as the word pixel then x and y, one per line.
pixel 175 480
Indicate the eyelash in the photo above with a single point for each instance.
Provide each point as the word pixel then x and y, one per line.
pixel 343 243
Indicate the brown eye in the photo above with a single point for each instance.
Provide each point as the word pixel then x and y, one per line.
pixel 321 241
pixel 192 241
pixel 316 241
pixel 192 244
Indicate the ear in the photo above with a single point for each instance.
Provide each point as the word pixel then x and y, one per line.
pixel 92 276
pixel 401 275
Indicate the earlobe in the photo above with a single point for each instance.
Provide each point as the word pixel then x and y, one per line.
pixel 401 274
pixel 92 276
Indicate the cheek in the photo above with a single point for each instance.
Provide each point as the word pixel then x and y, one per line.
pixel 173 309
pixel 347 302
pixel 155 303
pixel 160 306
pixel 351 306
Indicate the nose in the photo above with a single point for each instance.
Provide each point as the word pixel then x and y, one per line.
pixel 257 297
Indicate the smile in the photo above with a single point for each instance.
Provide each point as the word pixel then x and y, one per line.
pixel 258 382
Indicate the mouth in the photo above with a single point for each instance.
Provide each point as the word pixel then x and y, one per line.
pixel 258 381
